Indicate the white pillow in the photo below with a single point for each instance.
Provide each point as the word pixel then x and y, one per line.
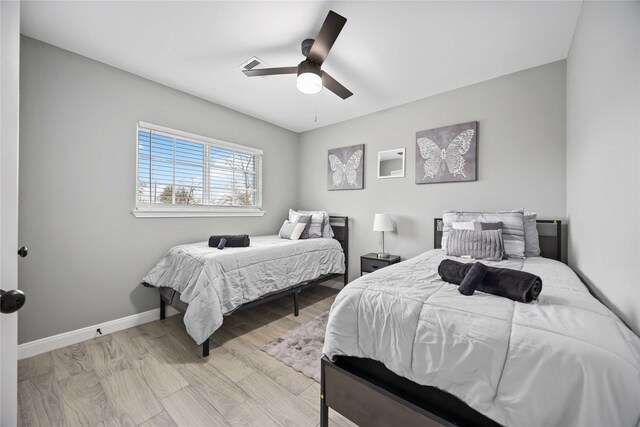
pixel 463 225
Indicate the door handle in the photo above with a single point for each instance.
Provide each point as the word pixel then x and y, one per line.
pixel 23 251
pixel 11 301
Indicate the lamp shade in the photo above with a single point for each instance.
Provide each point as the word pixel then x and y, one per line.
pixel 382 222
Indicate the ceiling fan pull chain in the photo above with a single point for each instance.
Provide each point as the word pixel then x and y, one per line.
pixel 316 105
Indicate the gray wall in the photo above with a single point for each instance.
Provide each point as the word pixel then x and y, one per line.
pixel 521 145
pixel 603 154
pixel 77 187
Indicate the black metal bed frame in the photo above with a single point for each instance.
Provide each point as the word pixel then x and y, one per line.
pixel 367 393
pixel 340 226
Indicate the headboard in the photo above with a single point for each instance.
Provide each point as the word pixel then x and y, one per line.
pixel 549 235
pixel 340 227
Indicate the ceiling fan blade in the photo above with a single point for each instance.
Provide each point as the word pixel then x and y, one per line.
pixel 326 37
pixel 270 71
pixel 335 87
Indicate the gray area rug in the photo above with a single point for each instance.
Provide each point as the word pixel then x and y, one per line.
pixel 301 348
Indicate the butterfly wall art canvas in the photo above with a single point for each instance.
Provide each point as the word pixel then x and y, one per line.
pixel 345 168
pixel 447 154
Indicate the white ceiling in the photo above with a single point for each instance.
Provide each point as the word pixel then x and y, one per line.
pixel 389 52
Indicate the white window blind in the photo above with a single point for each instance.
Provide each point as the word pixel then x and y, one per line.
pixel 182 172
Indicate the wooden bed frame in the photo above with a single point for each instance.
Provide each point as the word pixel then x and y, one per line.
pixel 340 226
pixel 367 393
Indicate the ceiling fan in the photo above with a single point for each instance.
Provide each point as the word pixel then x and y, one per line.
pixel 311 78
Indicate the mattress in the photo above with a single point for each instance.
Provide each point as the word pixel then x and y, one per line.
pixel 564 359
pixel 214 282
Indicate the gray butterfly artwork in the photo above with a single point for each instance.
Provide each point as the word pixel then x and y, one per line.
pixel 345 168
pixel 447 154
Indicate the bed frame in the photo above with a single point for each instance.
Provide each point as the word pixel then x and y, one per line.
pixel 340 226
pixel 367 393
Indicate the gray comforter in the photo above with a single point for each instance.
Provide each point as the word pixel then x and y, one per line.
pixel 215 282
pixel 563 360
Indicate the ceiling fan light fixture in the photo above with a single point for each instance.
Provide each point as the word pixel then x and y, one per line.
pixel 309 83
pixel 309 79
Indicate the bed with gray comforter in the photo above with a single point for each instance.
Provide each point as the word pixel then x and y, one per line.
pixel 215 282
pixel 563 360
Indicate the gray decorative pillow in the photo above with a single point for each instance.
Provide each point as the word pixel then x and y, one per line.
pixel 476 244
pixel 306 220
pixel 291 230
pixel 512 227
pixel 483 226
pixel 317 221
pixel 327 231
pixel 531 238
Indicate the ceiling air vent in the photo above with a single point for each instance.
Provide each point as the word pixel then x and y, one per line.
pixel 251 63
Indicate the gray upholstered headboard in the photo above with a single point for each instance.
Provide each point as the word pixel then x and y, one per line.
pixel 549 231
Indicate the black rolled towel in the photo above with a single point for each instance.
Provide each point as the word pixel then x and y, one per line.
pixel 504 282
pixel 473 279
pixel 237 241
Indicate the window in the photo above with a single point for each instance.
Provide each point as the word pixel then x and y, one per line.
pixel 182 174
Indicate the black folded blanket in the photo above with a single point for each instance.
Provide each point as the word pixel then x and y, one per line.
pixel 237 241
pixel 505 282
pixel 473 279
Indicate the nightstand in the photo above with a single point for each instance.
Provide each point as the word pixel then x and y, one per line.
pixel 370 262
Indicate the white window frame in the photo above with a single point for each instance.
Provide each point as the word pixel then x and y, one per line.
pixel 158 210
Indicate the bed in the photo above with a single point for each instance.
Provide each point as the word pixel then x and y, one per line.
pixel 405 348
pixel 207 284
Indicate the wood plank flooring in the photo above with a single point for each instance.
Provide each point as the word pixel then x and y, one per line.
pixel 153 375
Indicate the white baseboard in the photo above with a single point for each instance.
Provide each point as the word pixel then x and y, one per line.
pixel 33 348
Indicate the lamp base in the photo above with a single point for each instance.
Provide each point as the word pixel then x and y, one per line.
pixel 383 255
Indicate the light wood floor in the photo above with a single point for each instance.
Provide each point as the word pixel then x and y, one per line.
pixel 153 375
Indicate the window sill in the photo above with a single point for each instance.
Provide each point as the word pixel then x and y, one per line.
pixel 174 213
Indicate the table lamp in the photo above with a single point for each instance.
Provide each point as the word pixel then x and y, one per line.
pixel 382 222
